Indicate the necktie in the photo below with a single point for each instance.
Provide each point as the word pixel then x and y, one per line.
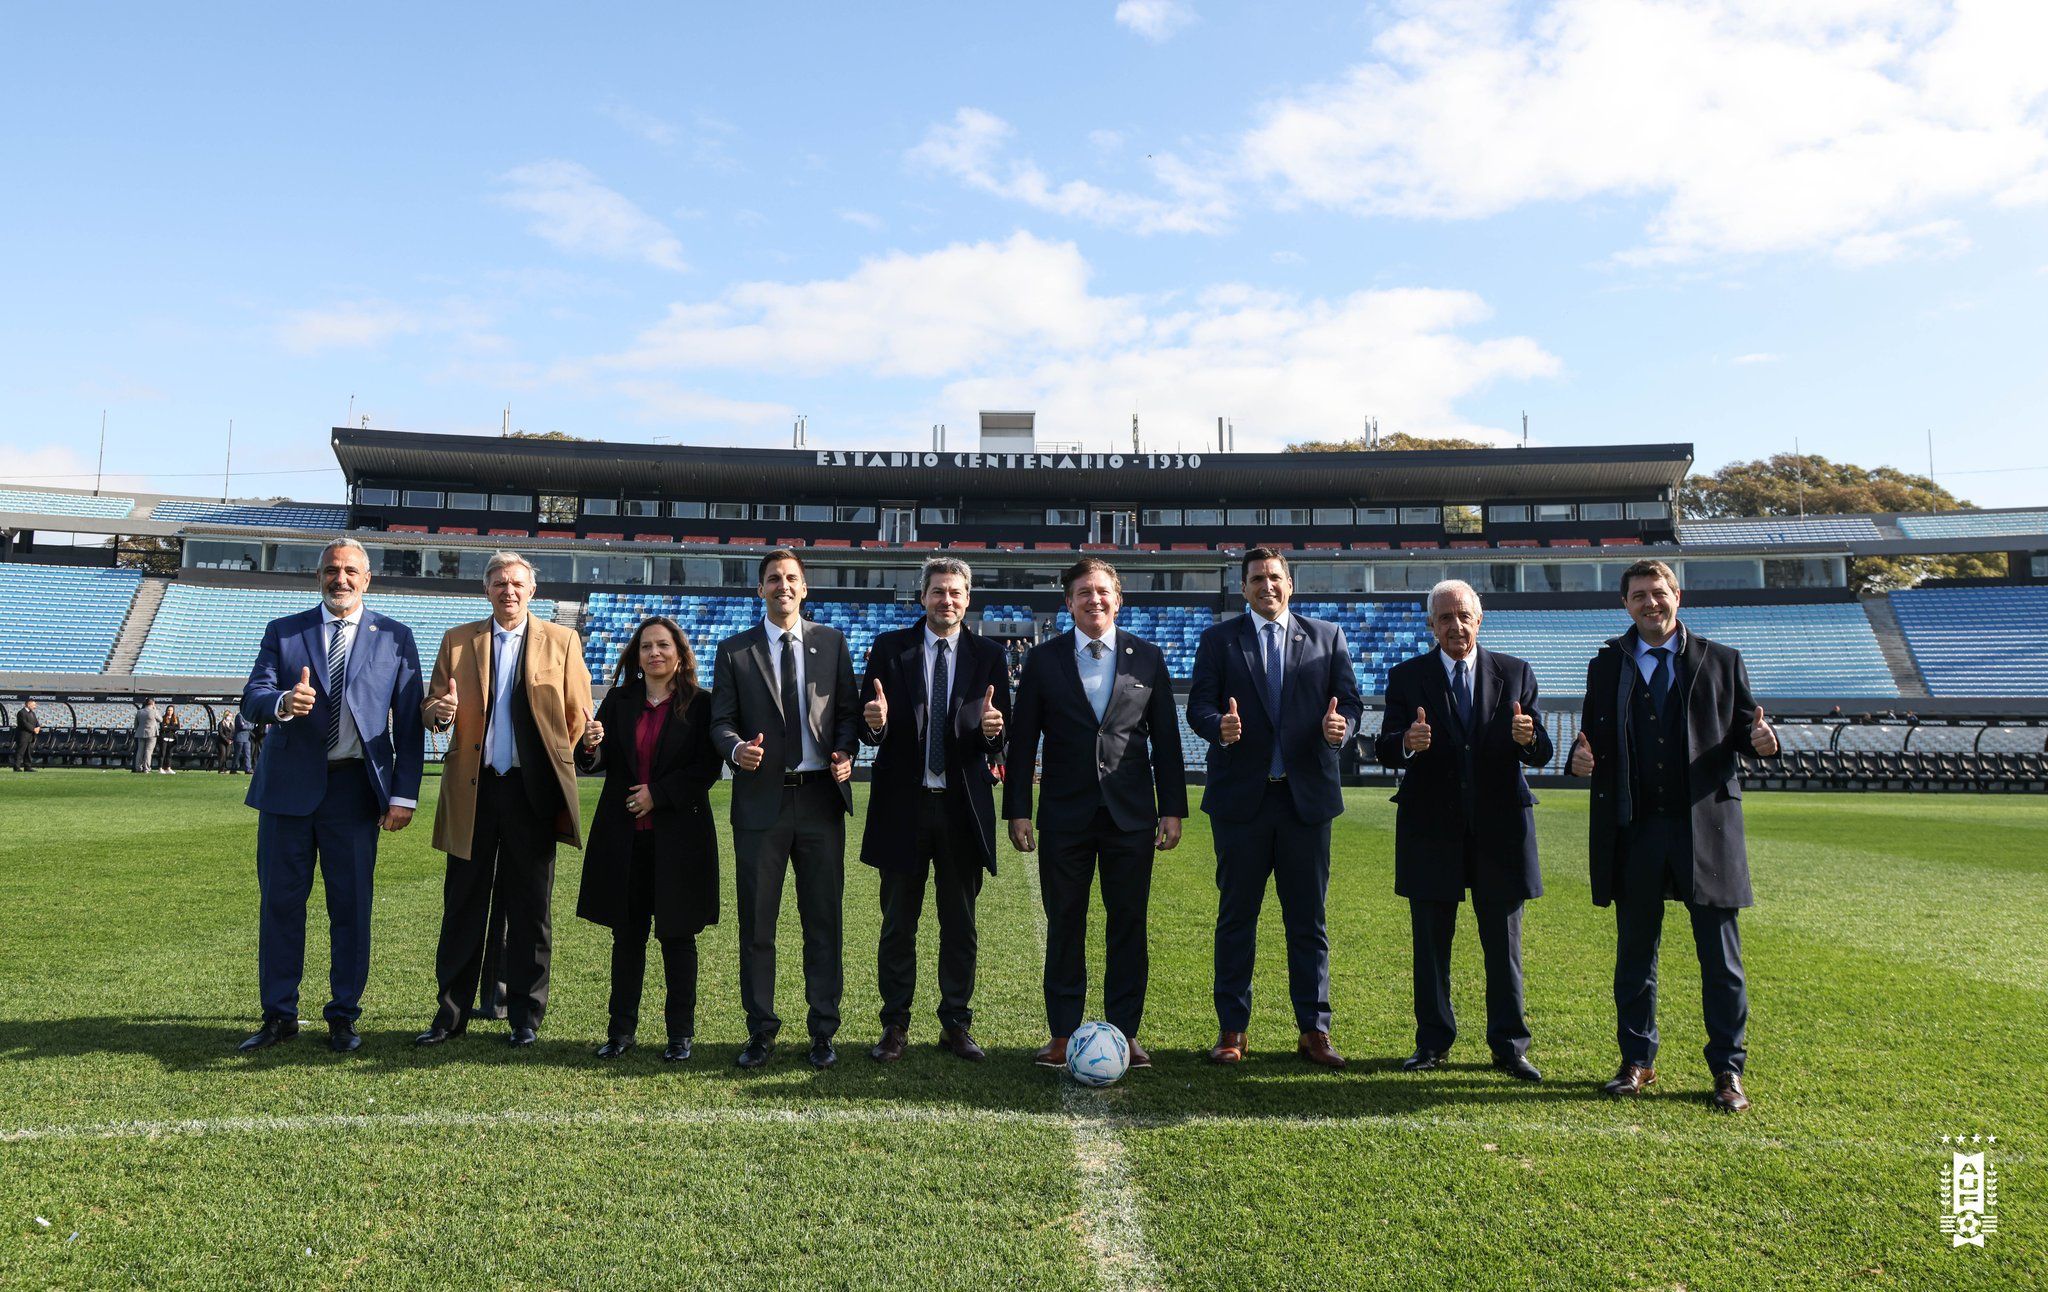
pixel 1274 661
pixel 935 717
pixel 1461 693
pixel 501 692
pixel 1660 678
pixel 792 707
pixel 1098 700
pixel 337 682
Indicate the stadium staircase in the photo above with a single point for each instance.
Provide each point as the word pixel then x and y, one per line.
pixel 569 614
pixel 135 628
pixel 1891 641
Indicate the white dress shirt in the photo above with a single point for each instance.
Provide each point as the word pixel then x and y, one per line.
pixel 1648 662
pixel 1097 675
pixel 506 645
pixel 814 757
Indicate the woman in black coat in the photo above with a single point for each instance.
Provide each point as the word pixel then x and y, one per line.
pixel 652 853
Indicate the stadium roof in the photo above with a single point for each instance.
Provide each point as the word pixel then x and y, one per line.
pixel 1424 476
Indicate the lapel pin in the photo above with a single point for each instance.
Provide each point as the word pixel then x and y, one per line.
pixel 1130 650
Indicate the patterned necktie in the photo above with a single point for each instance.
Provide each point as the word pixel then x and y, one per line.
pixel 1461 692
pixel 1660 678
pixel 1099 700
pixel 792 707
pixel 1274 661
pixel 337 682
pixel 935 717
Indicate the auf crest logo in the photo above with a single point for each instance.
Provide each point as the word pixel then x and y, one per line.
pixel 1969 1195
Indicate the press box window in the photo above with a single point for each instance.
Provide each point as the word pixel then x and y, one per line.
pixel 771 511
pixel 814 513
pixel 600 506
pixel 1599 511
pixel 686 511
pixel 1333 515
pixel 1421 516
pixel 1170 518
pixel 854 515
pixel 1069 516
pixel 1245 515
pixel 1203 516
pixel 1377 516
pixel 520 502
pixel 642 507
pixel 1553 513
pixel 423 498
pixel 1648 511
pixel 938 516
pixel 732 511
pixel 1290 516
pixel 377 497
pixel 1507 515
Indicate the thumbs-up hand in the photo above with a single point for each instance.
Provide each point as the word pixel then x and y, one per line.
pixel 1334 726
pixel 1232 729
pixel 748 756
pixel 1762 738
pixel 876 711
pixel 298 702
pixel 593 730
pixel 440 710
pixel 1522 727
pixel 1581 763
pixel 991 717
pixel 842 767
pixel 1416 739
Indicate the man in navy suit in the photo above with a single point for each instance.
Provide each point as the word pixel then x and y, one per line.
pixel 341 683
pixel 1275 696
pixel 1462 723
pixel 931 811
pixel 1114 791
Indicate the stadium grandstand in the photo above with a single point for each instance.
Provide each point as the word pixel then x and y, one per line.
pixel 108 597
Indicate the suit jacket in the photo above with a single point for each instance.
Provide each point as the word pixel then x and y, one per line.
pixel 27 722
pixel 382 691
pixel 1318 669
pixel 896 660
pixel 148 722
pixel 1718 712
pixel 1464 782
pixel 679 781
pixel 1129 762
pixel 550 703
pixel 745 703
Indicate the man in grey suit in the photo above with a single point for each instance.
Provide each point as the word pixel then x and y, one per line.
pixel 785 709
pixel 148 725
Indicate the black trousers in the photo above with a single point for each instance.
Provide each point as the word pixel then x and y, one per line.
pixel 809 837
pixel 946 854
pixel 1275 844
pixel 24 750
pixel 1656 866
pixel 512 849
pixel 629 956
pixel 1433 925
pixel 1068 861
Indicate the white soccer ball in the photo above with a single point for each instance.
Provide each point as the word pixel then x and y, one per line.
pixel 1097 1054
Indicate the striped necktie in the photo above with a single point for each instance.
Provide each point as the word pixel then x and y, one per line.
pixel 337 682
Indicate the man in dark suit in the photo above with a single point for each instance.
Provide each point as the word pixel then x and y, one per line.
pixel 784 712
pixel 1275 696
pixel 1667 713
pixel 27 722
pixel 516 692
pixel 1462 724
pixel 1114 790
pixel 341 684
pixel 930 806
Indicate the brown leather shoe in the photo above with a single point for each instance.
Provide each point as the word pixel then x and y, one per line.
pixel 1229 1048
pixel 1315 1047
pixel 1054 1055
pixel 1140 1056
pixel 956 1041
pixel 1728 1096
pixel 1630 1080
pixel 890 1047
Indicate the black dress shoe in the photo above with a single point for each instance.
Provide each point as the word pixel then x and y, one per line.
pixel 1423 1060
pixel 615 1046
pixel 1517 1067
pixel 757 1051
pixel 522 1037
pixel 341 1036
pixel 435 1034
pixel 822 1054
pixel 677 1051
pixel 273 1031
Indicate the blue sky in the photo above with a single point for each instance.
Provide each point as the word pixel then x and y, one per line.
pixel 1708 221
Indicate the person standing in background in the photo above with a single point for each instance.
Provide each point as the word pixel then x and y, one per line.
pixel 147 724
pixel 27 723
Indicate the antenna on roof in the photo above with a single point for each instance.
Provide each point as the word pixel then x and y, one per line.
pixel 101 468
pixel 1134 433
pixel 228 466
pixel 1525 428
pixel 1232 425
pixel 1799 469
pixel 1219 435
pixel 800 433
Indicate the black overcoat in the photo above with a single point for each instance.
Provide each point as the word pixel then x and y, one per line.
pixel 685 834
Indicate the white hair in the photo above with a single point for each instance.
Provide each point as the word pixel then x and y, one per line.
pixel 1448 587
pixel 345 541
pixel 499 560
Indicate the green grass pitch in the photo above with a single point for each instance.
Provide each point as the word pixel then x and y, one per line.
pixel 1898 963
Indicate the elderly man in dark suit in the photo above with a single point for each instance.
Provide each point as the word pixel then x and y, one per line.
pixel 1114 791
pixel 1667 712
pixel 27 722
pixel 1462 724
pixel 1275 696
pixel 784 711
pixel 934 697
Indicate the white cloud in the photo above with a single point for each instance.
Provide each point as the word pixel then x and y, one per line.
pixel 1014 325
pixel 865 219
pixel 1285 257
pixel 1155 20
pixel 1759 357
pixel 1106 141
pixel 1936 238
pixel 367 324
pixel 635 122
pixel 575 212
pixel 971 149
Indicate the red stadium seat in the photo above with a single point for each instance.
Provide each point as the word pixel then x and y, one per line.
pixel 458 529
pixel 606 538
pixel 508 533
pixel 650 538
pixel 833 542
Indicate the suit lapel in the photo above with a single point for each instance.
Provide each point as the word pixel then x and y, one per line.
pixel 1122 679
pixel 765 662
pixel 1437 701
pixel 1248 643
pixel 817 693
pixel 480 664
pixel 316 652
pixel 1485 690
pixel 1069 669
pixel 910 665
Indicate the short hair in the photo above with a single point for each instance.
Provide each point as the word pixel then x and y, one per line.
pixel 938 565
pixel 1086 566
pixel 499 560
pixel 1256 554
pixel 1647 569
pixel 345 541
pixel 772 555
pixel 1447 586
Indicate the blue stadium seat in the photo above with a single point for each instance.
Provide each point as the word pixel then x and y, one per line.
pixel 62 619
pixel 1779 529
pixel 288 515
pixel 65 504
pixel 1953 631
pixel 609 618
pixel 1974 524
